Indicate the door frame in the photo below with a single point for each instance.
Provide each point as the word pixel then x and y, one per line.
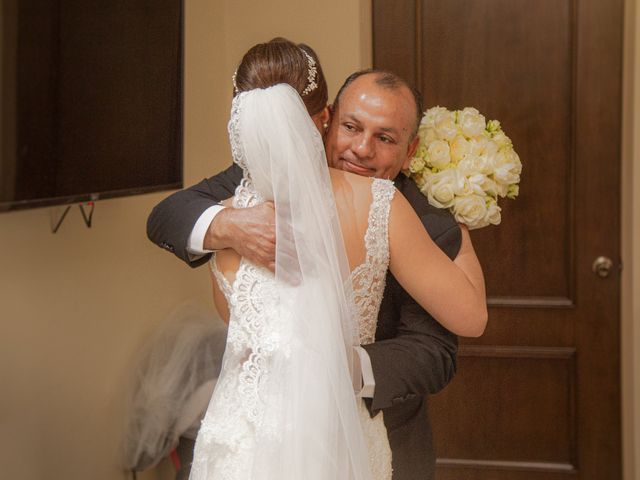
pixel 630 225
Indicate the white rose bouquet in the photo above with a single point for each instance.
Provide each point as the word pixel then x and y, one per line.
pixel 465 164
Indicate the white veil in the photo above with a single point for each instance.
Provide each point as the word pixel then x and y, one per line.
pixel 315 432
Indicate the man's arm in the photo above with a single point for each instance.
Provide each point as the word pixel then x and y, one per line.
pixel 172 220
pixel 419 360
pixel 414 355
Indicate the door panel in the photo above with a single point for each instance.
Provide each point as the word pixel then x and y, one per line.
pixel 538 395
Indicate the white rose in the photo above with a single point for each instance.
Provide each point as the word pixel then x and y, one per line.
pixel 483 185
pixel 439 154
pixel 441 113
pixel 507 168
pixel 427 134
pixel 515 159
pixel 445 124
pixel 493 214
pixel 508 156
pixel 441 187
pixel 428 119
pixel 472 164
pixel 487 163
pixel 469 165
pixel 479 145
pixel 460 148
pixel 501 140
pixel 416 165
pixel 471 122
pixel 470 210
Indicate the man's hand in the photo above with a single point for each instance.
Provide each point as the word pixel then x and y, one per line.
pixel 249 231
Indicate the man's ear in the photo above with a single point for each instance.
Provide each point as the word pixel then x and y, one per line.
pixel 411 151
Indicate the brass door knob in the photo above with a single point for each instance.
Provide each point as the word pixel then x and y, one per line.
pixel 602 266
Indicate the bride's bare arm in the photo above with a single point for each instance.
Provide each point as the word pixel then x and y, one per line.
pixel 468 262
pixel 453 292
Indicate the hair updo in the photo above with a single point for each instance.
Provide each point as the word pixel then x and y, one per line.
pixel 282 61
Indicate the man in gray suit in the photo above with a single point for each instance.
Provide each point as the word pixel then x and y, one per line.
pixel 372 132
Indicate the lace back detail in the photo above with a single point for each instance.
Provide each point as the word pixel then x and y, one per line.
pixel 236 421
pixel 377 237
pixel 234 135
pixel 369 277
pixel 245 195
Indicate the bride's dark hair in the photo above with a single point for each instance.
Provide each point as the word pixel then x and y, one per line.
pixel 282 61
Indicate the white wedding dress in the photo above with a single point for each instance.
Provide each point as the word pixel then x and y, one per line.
pixel 249 430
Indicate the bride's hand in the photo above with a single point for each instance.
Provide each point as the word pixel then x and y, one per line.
pixel 249 231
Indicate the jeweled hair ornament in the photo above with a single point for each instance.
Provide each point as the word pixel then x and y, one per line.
pixel 312 73
pixel 233 80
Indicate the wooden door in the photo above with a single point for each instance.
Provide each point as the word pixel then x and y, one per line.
pixel 538 396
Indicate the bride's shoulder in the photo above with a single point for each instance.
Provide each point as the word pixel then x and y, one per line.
pixel 355 182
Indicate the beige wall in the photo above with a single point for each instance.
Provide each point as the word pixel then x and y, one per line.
pixel 339 31
pixel 76 306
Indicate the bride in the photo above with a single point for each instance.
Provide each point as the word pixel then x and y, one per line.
pixel 284 406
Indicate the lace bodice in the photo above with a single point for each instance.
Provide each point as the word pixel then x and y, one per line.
pixel 368 278
pixel 236 420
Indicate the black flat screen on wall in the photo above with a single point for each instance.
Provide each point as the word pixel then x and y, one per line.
pixel 91 103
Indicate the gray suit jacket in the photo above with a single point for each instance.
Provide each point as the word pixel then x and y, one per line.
pixel 413 355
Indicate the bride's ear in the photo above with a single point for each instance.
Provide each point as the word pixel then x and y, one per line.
pixel 321 119
pixel 325 115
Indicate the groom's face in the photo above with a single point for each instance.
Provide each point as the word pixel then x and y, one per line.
pixel 371 130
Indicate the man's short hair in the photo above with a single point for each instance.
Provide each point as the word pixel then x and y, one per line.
pixel 387 80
